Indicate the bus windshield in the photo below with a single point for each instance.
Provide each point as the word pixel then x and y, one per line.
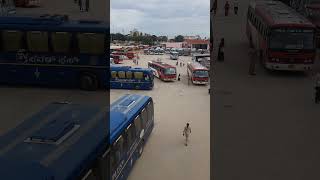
pixel 296 39
pixel 169 71
pixel 201 73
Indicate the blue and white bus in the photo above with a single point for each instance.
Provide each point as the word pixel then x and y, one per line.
pixel 127 77
pixel 53 51
pixel 131 123
pixel 72 142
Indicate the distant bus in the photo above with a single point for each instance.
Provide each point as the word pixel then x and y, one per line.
pixel 127 77
pixel 52 51
pixel 62 141
pixel 197 73
pixel 117 59
pixel 27 3
pixel 284 39
pixel 132 121
pixel 174 55
pixel 163 71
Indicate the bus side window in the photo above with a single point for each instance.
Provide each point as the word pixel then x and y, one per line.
pixel 38 41
pixel 138 75
pixel 150 111
pixel 137 124
pixel 144 116
pixel 11 40
pixel 130 136
pixel 117 149
pixel 129 75
pixel 61 41
pixel 91 43
pixel 113 74
pixel 122 74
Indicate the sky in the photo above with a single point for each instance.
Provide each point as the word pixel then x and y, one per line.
pixel 161 17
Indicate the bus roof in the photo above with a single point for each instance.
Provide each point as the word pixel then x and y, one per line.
pixel 278 14
pixel 129 68
pixel 51 23
pixel 123 111
pixel 162 64
pixel 197 66
pixel 54 143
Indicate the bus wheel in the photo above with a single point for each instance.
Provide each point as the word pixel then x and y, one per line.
pixel 88 82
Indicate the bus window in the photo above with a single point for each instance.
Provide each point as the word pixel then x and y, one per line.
pixel 37 41
pixel 91 43
pixel 138 75
pixel 144 116
pixel 118 150
pixel 130 134
pixel 150 111
pixel 61 41
pixel 129 75
pixel 137 123
pixel 122 74
pixel 114 74
pixel 11 40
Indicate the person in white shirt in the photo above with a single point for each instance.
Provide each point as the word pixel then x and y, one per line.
pixel 186 133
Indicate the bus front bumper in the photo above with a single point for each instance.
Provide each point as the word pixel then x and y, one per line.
pixel 289 67
pixel 200 82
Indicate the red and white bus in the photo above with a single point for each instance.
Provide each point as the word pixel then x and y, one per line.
pixel 197 73
pixel 163 71
pixel 284 39
pixel 117 59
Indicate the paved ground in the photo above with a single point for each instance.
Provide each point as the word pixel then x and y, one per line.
pixel 176 103
pixel 265 127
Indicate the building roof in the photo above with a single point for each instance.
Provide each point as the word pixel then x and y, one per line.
pixel 196 41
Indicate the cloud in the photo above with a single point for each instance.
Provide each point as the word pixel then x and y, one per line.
pixel 161 17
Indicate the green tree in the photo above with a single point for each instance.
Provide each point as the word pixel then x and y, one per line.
pixel 179 38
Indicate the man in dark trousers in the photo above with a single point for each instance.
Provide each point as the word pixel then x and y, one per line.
pixel 317 88
pixel 87 5
pixel 253 58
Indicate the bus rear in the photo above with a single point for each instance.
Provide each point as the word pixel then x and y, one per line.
pixel 163 71
pixel 197 73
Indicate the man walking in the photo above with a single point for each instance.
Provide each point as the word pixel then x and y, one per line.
pixel 186 133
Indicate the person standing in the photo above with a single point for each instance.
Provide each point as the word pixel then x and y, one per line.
pixel 87 5
pixel 179 77
pixel 221 50
pixel 235 6
pixel 226 8
pixel 253 57
pixel 186 133
pixel 317 88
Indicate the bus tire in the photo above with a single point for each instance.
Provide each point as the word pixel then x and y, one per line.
pixel 88 82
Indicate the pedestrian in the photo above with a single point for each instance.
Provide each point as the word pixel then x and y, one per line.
pixel 179 77
pixel 87 5
pixel 235 7
pixel 177 63
pixel 186 133
pixel 226 8
pixel 317 88
pixel 221 50
pixel 180 64
pixel 80 5
pixel 253 57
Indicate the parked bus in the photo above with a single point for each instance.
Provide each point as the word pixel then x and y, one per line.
pixel 70 141
pixel 127 77
pixel 284 39
pixel 197 73
pixel 62 141
pixel 132 121
pixel 163 71
pixel 52 51
pixel 203 59
pixel 118 59
pixel 174 55
pixel 27 3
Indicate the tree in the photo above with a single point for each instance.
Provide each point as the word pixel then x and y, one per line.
pixel 179 38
